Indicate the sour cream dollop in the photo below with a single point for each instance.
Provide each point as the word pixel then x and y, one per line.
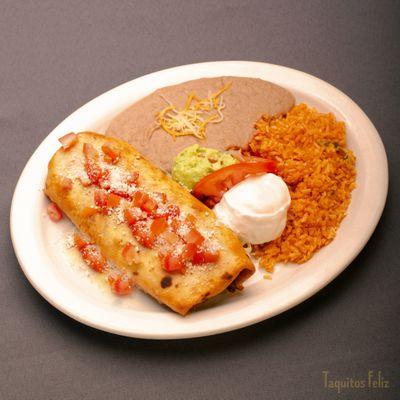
pixel 256 208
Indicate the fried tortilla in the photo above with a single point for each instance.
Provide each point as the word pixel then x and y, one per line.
pixel 81 177
pixel 246 100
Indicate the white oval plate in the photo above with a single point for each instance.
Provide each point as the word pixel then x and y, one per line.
pixel 40 248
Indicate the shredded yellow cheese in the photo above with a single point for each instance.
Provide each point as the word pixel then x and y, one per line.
pixel 194 117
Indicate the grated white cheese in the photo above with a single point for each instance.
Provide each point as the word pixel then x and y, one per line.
pixel 119 215
pixel 69 240
pixel 118 180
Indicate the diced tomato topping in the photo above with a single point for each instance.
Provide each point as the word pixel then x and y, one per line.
pixel 111 155
pixel 66 183
pixel 190 220
pixel 189 251
pixel 130 217
pixel 130 254
pixel 175 225
pixel 54 212
pixel 174 263
pixel 139 198
pixel 173 210
pixel 204 256
pixel 194 236
pixel 79 242
pixel 104 182
pixel 121 193
pixel 113 276
pixel 211 188
pixel 105 200
pixel 144 202
pixel 150 206
pixel 93 170
pixel 89 211
pixel 84 181
pixel 162 253
pixel 113 200
pixel 108 159
pixel 94 258
pixel 90 152
pixel 100 198
pixel 158 226
pixel 121 284
pixel 133 178
pixel 141 234
pixel 68 140
pixel 163 197
pixel 90 254
pixel 197 255
pixel 171 238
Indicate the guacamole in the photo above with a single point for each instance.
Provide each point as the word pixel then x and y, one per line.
pixel 195 162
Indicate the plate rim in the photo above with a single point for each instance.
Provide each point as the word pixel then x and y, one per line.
pixel 237 324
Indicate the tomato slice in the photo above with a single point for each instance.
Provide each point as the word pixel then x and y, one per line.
pixel 54 212
pixel 68 140
pixel 211 188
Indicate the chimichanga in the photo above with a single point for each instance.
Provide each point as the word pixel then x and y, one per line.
pixel 183 255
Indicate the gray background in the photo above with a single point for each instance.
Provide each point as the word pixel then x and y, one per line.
pixel 55 56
